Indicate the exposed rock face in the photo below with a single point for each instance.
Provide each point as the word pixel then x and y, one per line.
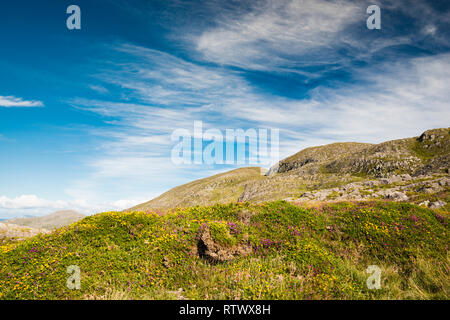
pixel 433 205
pixel 437 204
pixel 438 164
pixel 394 188
pixel 12 232
pixel 288 166
pixel 246 195
pixel 393 179
pixel 431 136
pixel 426 154
pixel 373 166
pixel 309 159
pixel 216 252
pixel 430 188
pixel 397 196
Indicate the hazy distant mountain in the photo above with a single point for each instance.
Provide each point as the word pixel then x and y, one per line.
pixel 49 222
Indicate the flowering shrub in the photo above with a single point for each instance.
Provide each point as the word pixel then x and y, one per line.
pixel 320 252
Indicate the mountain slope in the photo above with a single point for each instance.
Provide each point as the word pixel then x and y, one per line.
pixel 312 157
pixel 221 188
pixel 50 222
pixel 429 153
pixel 339 168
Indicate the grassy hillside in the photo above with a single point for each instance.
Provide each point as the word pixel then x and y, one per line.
pixel 49 222
pixel 275 250
pixel 221 188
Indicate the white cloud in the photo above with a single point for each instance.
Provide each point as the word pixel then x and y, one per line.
pixel 388 101
pixel 274 32
pixel 99 89
pixel 28 202
pixel 293 35
pixel 32 205
pixel 13 102
pixel 429 30
pixel 392 101
pixel 434 20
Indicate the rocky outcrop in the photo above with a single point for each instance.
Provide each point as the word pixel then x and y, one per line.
pixel 311 158
pixel 11 232
pixel 433 205
pixel 375 167
pixel 396 196
pixel 394 188
pixel 215 252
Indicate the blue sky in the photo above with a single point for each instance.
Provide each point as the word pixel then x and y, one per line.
pixel 86 115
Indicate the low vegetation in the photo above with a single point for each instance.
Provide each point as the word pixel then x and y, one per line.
pixel 292 252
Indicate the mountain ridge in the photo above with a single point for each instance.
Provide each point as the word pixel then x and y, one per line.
pixel 51 221
pixel 336 165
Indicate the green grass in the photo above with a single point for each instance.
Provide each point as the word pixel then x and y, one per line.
pixel 427 153
pixel 6 240
pixel 421 152
pixel 298 253
pixel 221 233
pixel 333 195
pixel 221 188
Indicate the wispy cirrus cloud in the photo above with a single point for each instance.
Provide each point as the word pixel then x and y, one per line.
pixel 14 102
pixel 98 89
pixel 317 37
pixel 389 101
pixel 430 20
pixel 275 33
